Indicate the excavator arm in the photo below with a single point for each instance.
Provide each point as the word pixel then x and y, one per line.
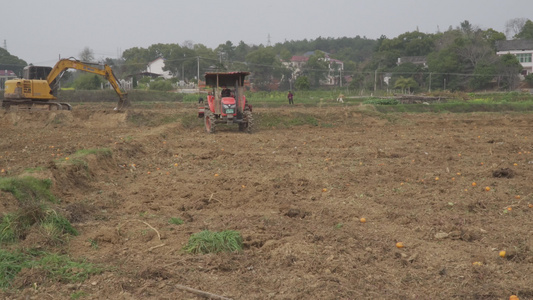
pixel 107 72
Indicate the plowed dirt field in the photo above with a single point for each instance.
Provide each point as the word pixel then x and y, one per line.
pixel 295 193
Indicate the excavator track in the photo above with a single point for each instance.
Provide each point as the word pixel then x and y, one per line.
pixel 34 105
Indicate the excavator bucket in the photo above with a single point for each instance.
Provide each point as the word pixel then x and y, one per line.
pixel 123 102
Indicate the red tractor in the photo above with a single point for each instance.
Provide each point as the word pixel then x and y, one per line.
pixel 226 103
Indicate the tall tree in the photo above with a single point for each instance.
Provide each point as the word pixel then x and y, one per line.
pixel 263 63
pixel 226 51
pixel 316 68
pixel 491 36
pixel 406 84
pixel 87 55
pixel 11 62
pixel 409 44
pixel 508 70
pixel 514 26
pixel 526 33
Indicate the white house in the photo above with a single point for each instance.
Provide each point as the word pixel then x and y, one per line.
pixel 523 49
pixel 156 67
pixel 335 67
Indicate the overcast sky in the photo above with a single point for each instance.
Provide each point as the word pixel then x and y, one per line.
pixel 39 32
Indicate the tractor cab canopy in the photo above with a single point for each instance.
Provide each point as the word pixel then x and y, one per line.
pixel 217 79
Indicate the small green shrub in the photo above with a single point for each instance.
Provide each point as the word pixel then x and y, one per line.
pixel 214 242
pixel 106 152
pixel 34 198
pixel 28 188
pixel 161 85
pixel 11 263
pixel 59 268
pixel 382 102
pixel 176 221
pixel 58 222
pixel 7 229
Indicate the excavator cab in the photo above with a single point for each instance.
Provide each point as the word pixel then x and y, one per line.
pixel 35 72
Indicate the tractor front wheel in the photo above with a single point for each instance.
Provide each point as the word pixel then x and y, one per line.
pixel 248 123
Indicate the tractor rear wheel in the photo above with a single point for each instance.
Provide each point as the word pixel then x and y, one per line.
pixel 209 119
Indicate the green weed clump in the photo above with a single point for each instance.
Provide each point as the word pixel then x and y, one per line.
pixel 8 229
pixel 34 198
pixel 382 102
pixel 59 268
pixel 28 188
pixel 106 152
pixel 214 242
pixel 176 221
pixel 268 120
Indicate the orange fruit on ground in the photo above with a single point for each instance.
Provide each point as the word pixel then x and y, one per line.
pixel 513 297
pixel 363 220
pixel 509 208
pixel 530 205
pixel 399 245
pixel 487 188
pixel 474 184
pixel 502 253
pixel 324 190
pixel 517 197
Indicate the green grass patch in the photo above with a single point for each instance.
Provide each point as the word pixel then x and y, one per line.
pixel 58 222
pixel 59 268
pixel 214 242
pixel 28 188
pixel 8 228
pixel 478 105
pixel 34 170
pixel 289 120
pixel 78 157
pixel 34 198
pixel 53 226
pixel 106 152
pixel 382 102
pixel 176 221
pixel 78 295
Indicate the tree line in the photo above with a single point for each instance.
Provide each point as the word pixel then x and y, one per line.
pixel 460 58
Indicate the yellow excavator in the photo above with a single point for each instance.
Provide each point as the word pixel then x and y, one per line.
pixel 38 87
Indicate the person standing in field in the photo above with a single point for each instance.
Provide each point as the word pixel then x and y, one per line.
pixel 290 96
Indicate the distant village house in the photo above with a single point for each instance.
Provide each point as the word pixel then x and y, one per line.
pixel 522 49
pixel 335 67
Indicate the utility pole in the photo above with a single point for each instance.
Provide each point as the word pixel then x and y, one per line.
pixel 198 73
pixel 375 80
pixel 183 68
pixel 430 82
